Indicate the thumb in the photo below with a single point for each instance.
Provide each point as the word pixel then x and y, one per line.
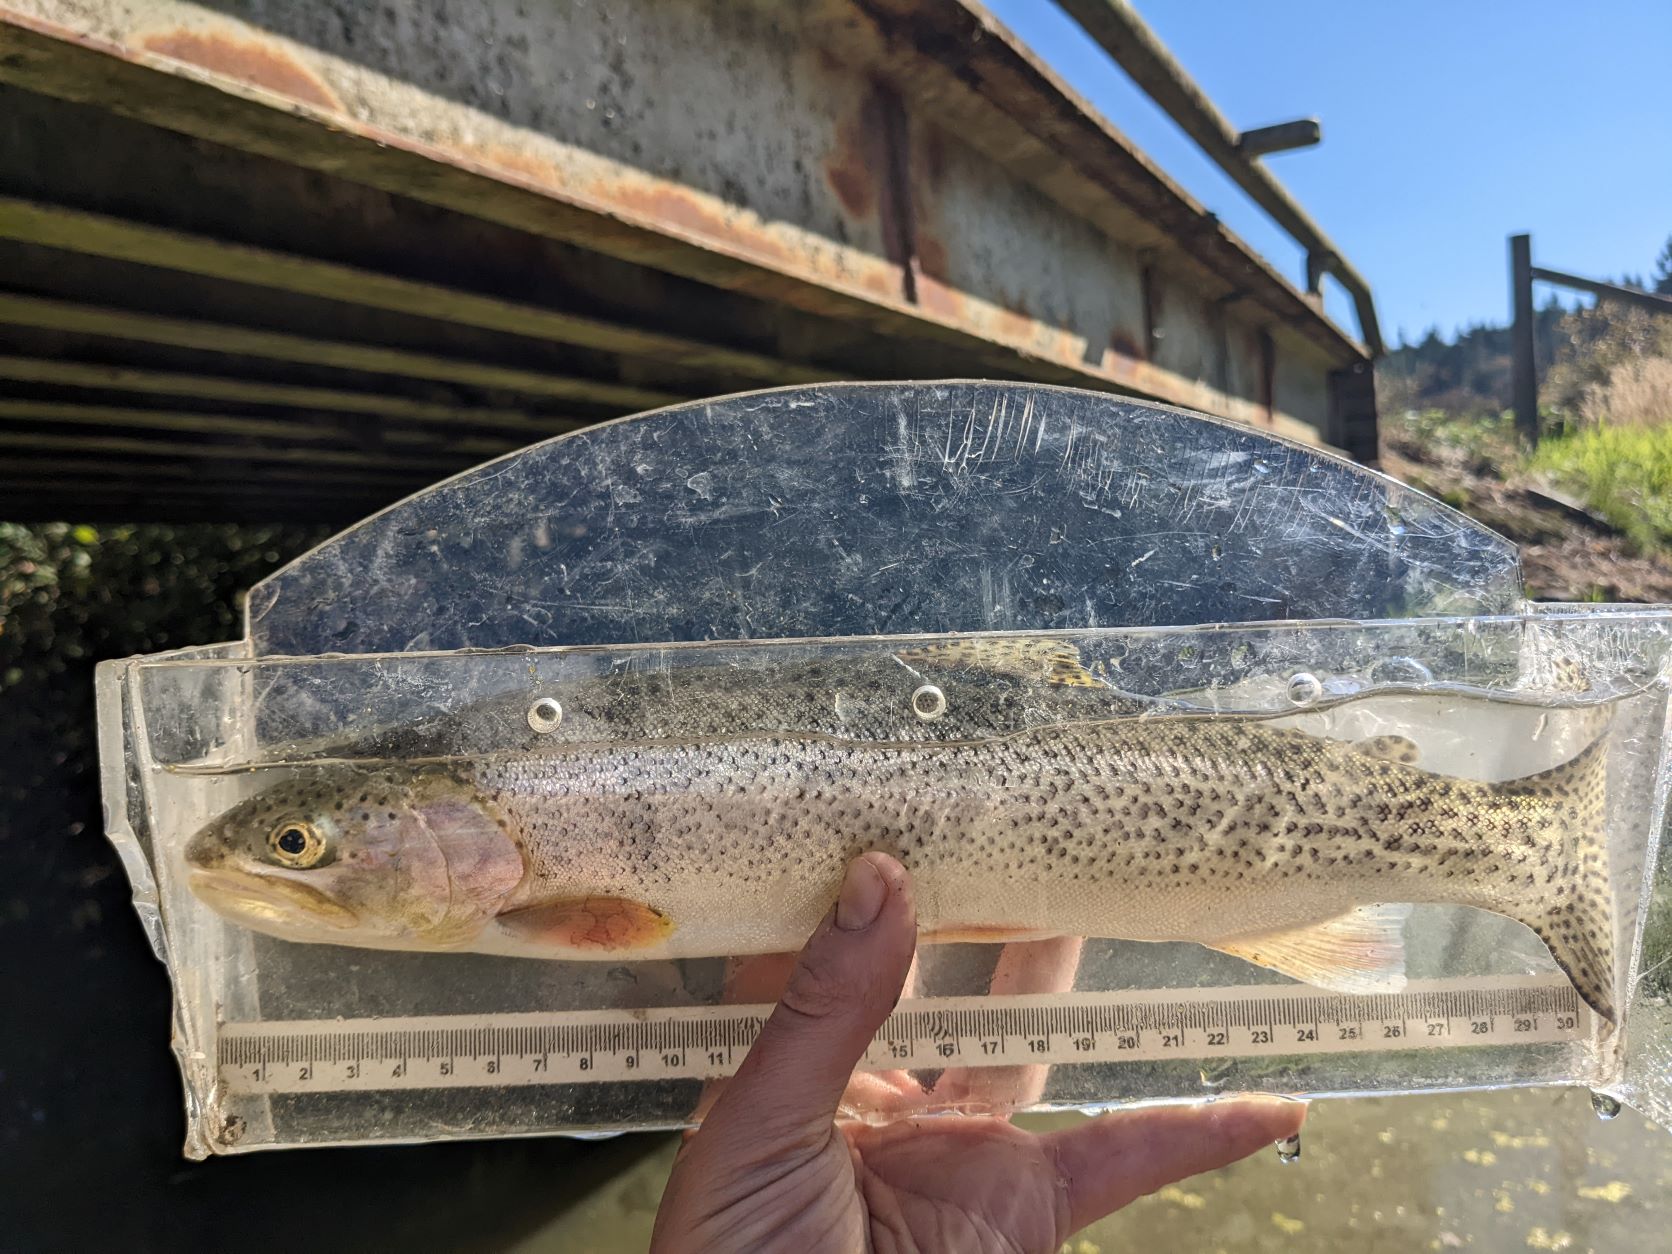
pixel 846 981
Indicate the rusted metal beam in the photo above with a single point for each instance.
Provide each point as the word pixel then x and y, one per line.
pixel 28 465
pixel 122 324
pixel 214 75
pixel 1120 32
pixel 37 487
pixel 1028 112
pixel 92 375
pixel 371 462
pixel 303 427
pixel 58 500
pixel 72 230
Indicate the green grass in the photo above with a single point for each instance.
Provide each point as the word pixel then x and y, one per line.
pixel 1624 473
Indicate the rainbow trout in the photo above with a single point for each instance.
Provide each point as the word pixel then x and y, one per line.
pixel 1298 853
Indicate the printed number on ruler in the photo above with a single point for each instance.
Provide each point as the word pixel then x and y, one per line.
pixel 707 1042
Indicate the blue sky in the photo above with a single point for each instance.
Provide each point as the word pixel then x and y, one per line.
pixel 1447 126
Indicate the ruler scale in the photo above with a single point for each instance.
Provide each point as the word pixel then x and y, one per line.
pixel 707 1042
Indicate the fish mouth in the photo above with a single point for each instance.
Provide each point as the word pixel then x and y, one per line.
pixel 268 902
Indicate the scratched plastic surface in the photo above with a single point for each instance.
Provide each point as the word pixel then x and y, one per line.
pixel 767 564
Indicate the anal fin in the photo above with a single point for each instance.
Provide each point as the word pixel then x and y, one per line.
pixel 1362 951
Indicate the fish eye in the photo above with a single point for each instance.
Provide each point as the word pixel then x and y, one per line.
pixel 296 843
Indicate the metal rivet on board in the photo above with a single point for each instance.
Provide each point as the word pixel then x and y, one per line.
pixel 928 703
pixel 1304 688
pixel 545 714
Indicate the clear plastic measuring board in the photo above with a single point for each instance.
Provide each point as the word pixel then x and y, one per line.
pixel 904 566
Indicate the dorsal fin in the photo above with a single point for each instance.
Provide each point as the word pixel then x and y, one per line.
pixel 1030 657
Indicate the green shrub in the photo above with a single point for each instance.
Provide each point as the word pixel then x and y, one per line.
pixel 71 594
pixel 1622 472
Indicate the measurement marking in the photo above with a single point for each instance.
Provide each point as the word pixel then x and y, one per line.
pixel 707 1042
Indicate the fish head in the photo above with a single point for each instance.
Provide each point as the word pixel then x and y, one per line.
pixel 391 857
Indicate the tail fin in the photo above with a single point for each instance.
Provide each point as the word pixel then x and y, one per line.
pixel 1570 903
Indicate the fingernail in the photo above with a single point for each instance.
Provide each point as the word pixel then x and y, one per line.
pixel 863 892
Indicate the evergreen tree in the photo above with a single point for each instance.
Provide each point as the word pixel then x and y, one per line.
pixel 1663 270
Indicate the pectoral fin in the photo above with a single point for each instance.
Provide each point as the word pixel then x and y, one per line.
pixel 1362 951
pixel 605 924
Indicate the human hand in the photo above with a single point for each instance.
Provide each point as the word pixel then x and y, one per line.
pixel 770 1169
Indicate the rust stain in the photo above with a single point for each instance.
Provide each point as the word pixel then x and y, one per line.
pixel 993 321
pixel 1023 328
pixel 934 157
pixel 674 206
pixel 677 208
pixel 851 182
pixel 942 300
pixel 859 158
pixel 671 207
pixel 536 170
pixel 1125 344
pixel 869 170
pixel 931 255
pixel 247 61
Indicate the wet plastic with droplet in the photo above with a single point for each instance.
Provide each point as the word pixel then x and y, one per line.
pixel 847 562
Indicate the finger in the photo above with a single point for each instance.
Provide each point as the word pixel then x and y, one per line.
pixel 1109 1161
pixel 873 1093
pixel 762 978
pixel 757 978
pixel 1044 966
pixel 845 982
pixel 750 979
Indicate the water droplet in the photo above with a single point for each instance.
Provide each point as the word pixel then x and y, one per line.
pixel 928 703
pixel 545 714
pixel 1262 466
pixel 1216 552
pixel 1606 1107
pixel 1304 688
pixel 1396 524
pixel 1288 1149
pixel 1215 1074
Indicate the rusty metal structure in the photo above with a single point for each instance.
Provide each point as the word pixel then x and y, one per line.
pixel 274 261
